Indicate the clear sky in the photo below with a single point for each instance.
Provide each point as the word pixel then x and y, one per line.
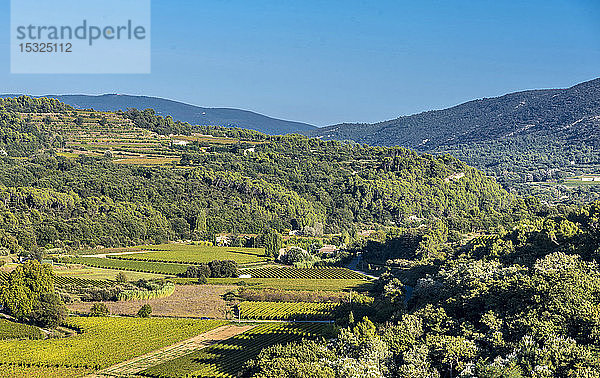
pixel 325 62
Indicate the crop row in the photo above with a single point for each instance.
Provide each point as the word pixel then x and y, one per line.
pixel 195 254
pixel 305 273
pixel 12 330
pixel 286 310
pixel 67 280
pixel 226 359
pixel 134 265
pixel 165 291
pixel 103 341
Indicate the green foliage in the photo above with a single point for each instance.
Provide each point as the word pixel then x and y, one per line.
pixel 214 269
pixel 99 309
pixel 272 241
pixel 12 330
pixel 144 311
pixel 49 311
pixel 102 342
pixel 121 277
pixel 21 291
pixel 227 358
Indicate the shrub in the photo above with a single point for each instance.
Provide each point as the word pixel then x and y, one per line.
pixel 99 309
pixel 145 311
pixel 223 268
pixel 121 277
pixel 202 280
pixel 195 271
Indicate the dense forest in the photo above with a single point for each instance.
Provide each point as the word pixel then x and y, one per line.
pixel 281 182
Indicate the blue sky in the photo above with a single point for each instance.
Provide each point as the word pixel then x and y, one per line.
pixel 325 62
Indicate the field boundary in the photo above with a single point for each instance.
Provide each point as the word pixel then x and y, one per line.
pixel 137 364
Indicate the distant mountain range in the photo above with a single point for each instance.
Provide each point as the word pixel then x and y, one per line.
pixel 570 115
pixel 195 115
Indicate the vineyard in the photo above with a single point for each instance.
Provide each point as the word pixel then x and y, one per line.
pixel 12 330
pixel 286 310
pixel 195 254
pixel 305 273
pixel 134 265
pixel 76 281
pixel 102 342
pixel 129 295
pixel 42 371
pixel 226 359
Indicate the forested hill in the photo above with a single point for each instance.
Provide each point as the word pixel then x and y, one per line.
pixel 570 114
pixel 192 114
pixel 91 178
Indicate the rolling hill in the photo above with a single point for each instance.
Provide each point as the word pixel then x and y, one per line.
pixel 192 114
pixel 519 138
pixel 571 114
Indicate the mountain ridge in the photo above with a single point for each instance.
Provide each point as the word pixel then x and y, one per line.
pixel 195 115
pixel 477 120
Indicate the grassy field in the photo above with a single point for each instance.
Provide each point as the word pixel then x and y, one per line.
pixel 226 359
pixel 193 254
pixel 102 342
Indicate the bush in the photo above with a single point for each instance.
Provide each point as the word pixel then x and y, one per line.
pixel 223 269
pixel 202 280
pixel 145 311
pixel 121 277
pixel 99 309
pixel 195 271
pixel 215 269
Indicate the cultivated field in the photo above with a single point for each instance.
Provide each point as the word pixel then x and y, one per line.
pixel 134 265
pixel 226 359
pixel 92 273
pixel 186 301
pixel 12 330
pixel 102 342
pixel 305 273
pixel 286 310
pixel 290 284
pixel 194 254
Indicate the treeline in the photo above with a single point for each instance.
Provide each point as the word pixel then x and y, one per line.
pixel 148 119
